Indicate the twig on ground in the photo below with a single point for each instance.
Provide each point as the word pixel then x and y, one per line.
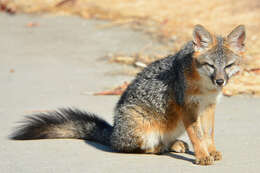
pixel 65 2
pixel 116 91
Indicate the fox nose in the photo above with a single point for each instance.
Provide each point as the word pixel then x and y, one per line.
pixel 220 82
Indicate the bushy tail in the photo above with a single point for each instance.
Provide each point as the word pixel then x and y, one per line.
pixel 64 123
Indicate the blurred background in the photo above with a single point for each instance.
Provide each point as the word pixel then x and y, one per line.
pixel 168 21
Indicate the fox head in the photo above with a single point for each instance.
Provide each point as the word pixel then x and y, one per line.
pixel 217 58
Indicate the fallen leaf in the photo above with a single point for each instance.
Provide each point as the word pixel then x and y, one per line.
pixel 32 24
pixel 227 93
pixel 3 7
pixel 116 91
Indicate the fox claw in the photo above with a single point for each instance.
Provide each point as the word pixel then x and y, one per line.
pixel 216 155
pixel 208 160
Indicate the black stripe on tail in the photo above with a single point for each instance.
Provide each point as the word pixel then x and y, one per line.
pixel 64 123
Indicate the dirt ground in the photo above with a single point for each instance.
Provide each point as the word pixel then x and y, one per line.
pixel 168 21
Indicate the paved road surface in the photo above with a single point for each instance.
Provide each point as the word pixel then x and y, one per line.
pixel 51 65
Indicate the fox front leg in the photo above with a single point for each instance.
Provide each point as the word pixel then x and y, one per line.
pixel 193 128
pixel 207 122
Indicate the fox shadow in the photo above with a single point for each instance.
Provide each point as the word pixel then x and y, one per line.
pixel 170 154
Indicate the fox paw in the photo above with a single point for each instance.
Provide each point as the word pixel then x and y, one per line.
pixel 179 146
pixel 208 160
pixel 216 155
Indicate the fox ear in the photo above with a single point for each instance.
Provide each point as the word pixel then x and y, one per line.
pixel 201 38
pixel 237 38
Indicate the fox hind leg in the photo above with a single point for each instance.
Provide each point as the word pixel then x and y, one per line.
pixel 179 146
pixel 159 149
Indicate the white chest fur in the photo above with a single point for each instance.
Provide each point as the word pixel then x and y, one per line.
pixel 206 99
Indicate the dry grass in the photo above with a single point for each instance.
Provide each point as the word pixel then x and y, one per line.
pixel 170 20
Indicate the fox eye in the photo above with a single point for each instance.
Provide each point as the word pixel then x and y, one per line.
pixel 230 65
pixel 209 65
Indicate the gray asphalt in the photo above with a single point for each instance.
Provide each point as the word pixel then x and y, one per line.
pixel 51 65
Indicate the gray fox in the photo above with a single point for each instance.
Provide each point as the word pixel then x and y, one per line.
pixel 171 95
